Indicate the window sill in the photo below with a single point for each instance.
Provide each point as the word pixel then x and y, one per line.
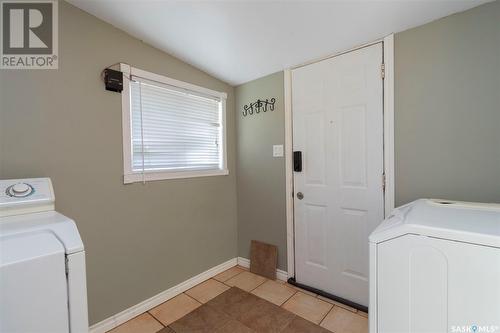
pixel 151 176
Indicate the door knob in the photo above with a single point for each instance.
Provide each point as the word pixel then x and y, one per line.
pixel 300 195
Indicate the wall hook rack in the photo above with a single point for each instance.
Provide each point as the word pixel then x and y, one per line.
pixel 259 106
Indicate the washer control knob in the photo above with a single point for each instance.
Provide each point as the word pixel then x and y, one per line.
pixel 19 190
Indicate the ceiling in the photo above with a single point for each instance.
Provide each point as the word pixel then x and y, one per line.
pixel 238 41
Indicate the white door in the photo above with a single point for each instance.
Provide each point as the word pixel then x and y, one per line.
pixel 338 126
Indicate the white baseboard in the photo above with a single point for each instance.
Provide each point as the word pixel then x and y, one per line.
pixel 280 275
pixel 125 315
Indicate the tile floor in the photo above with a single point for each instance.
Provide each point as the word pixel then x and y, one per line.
pixel 329 314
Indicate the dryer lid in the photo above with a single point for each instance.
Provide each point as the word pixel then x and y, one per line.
pixel 476 223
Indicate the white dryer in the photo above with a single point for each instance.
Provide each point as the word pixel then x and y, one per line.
pixel 435 267
pixel 42 262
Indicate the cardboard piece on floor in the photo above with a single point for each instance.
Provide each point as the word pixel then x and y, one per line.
pixel 263 259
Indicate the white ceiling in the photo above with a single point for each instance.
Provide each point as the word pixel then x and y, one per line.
pixel 238 41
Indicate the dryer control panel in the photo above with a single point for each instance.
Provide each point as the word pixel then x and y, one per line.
pixel 22 196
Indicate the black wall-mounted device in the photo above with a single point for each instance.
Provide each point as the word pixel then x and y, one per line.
pixel 297 161
pixel 113 80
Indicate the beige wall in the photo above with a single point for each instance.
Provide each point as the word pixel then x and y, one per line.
pixel 447 108
pixel 140 239
pixel 260 176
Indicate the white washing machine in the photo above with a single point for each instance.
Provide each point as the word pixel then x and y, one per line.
pixel 435 268
pixel 42 262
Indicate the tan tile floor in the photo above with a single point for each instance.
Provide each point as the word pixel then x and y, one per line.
pixel 246 281
pixel 274 292
pixel 144 323
pixel 308 307
pixel 207 290
pixel 174 309
pixel 331 315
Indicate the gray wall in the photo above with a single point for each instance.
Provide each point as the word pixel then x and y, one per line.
pixel 260 176
pixel 447 108
pixel 140 239
pixel 447 126
pixel 143 239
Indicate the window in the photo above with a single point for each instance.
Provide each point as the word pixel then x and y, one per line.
pixel 171 129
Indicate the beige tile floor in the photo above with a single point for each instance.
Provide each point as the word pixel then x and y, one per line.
pixel 329 314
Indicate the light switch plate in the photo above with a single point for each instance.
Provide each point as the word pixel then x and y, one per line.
pixel 277 150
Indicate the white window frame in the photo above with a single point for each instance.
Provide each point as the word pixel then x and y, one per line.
pixel 131 176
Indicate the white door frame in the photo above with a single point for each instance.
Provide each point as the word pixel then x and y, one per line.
pixel 388 46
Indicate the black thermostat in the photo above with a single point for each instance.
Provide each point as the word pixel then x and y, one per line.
pixel 113 80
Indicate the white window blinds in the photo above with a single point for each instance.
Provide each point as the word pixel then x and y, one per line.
pixel 174 129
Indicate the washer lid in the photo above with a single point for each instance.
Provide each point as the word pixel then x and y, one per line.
pixel 28 246
pixel 476 223
pixel 63 228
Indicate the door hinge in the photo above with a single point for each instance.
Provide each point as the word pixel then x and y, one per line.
pixel 382 71
pixel 383 182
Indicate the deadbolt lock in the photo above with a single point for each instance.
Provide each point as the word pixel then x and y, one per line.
pixel 300 195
